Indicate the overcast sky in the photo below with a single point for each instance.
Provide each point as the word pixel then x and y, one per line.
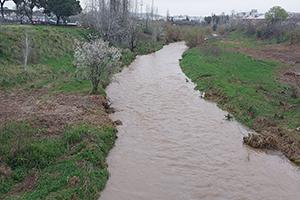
pixel 207 7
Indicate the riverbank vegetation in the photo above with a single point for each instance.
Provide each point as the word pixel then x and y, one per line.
pixel 256 80
pixel 55 135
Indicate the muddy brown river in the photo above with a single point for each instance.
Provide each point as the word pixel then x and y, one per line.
pixel 173 145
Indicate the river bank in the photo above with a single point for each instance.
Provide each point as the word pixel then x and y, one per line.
pixel 54 135
pixel 257 83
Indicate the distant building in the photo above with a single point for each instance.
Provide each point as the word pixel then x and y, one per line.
pixel 250 17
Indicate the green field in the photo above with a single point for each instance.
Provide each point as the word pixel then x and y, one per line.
pixel 246 87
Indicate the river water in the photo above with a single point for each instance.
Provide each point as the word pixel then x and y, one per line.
pixel 173 145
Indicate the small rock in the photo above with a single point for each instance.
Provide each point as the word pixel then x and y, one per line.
pixel 118 123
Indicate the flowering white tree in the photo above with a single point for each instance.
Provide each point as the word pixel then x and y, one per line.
pixel 97 61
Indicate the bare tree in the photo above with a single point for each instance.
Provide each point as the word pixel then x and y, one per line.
pixel 125 9
pixel 132 30
pixel 113 20
pixel 147 20
pixel 154 27
pixel 168 16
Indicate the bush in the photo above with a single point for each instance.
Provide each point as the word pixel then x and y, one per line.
pixel 261 31
pixel 194 37
pixel 208 30
pixel 274 31
pixel 250 29
pixel 294 35
pixel 221 29
pixel 173 33
pixel 240 26
pixel 233 27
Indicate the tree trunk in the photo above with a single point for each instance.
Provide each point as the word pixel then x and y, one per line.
pixel 95 87
pixel 2 11
pixel 131 45
pixel 57 20
pixel 125 9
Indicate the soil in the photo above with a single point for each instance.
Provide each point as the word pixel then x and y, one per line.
pixel 53 111
pixel 233 42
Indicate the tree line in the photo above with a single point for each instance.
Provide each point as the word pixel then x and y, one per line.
pixel 60 8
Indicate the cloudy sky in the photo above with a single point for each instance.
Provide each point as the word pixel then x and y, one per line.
pixel 207 7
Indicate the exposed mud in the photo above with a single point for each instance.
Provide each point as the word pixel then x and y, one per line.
pixel 53 111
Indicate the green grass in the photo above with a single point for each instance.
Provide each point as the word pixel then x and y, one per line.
pixel 51 54
pixel 51 57
pixel 80 152
pixel 243 85
pixel 246 41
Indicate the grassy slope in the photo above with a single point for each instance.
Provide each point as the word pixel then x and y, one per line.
pixel 53 160
pixel 54 163
pixel 73 166
pixel 246 87
pixel 51 53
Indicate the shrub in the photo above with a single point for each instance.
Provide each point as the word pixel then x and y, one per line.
pixel 208 30
pixel 194 37
pixel 233 27
pixel 173 33
pixel 250 29
pixel 221 29
pixel 261 31
pixel 294 35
